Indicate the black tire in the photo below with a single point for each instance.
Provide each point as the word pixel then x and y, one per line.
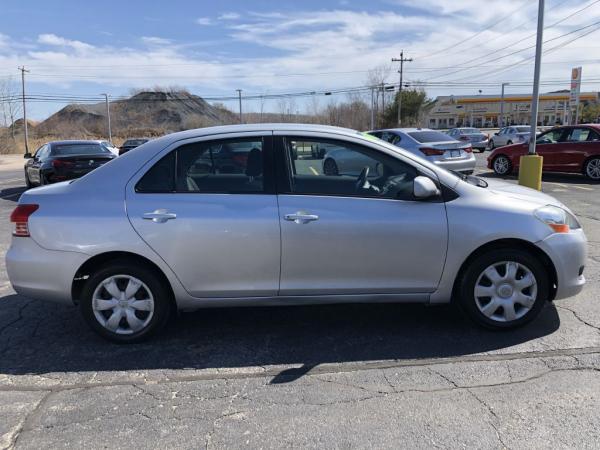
pixel 508 142
pixel 497 165
pixel 153 281
pixel 492 145
pixel 471 274
pixel 27 180
pixel 591 167
pixel 330 167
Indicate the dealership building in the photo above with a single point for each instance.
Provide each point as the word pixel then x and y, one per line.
pixel 484 110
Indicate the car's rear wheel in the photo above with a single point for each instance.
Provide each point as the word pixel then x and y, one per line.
pixel 330 167
pixel 124 302
pixel 503 288
pixel 591 168
pixel 502 165
pixel 508 142
pixel 27 180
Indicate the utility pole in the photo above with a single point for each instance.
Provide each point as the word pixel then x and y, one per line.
pixel 372 108
pixel 108 117
pixel 402 60
pixel 501 121
pixel 26 135
pixel 530 169
pixel 239 91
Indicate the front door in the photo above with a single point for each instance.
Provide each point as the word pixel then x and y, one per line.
pixel 549 145
pixel 209 209
pixel 356 230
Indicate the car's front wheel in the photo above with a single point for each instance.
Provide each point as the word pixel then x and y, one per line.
pixel 503 288
pixel 125 302
pixel 502 165
pixel 591 169
pixel 330 167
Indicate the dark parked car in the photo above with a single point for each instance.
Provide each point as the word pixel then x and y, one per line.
pixel 130 144
pixel 573 149
pixel 64 160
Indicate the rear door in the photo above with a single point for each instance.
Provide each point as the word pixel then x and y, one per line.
pixel 216 228
pixel 578 143
pixel 343 234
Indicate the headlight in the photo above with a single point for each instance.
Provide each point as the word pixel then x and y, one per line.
pixel 558 219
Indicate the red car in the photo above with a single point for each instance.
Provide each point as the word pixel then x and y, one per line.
pixel 573 149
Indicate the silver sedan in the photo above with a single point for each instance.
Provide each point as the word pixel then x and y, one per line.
pixel 433 145
pixel 162 235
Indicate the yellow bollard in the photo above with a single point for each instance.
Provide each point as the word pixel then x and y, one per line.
pixel 530 171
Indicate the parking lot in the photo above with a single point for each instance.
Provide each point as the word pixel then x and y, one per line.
pixel 369 376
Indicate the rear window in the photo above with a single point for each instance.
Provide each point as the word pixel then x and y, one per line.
pixel 470 131
pixel 522 129
pixel 135 142
pixel 78 149
pixel 429 136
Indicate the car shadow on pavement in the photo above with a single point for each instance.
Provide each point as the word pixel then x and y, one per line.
pixel 38 337
pixel 12 194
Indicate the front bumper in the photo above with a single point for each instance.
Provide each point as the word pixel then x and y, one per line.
pixel 42 274
pixel 568 252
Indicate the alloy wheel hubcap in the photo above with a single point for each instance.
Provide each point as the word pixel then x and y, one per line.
pixel 505 291
pixel 123 304
pixel 593 169
pixel 501 165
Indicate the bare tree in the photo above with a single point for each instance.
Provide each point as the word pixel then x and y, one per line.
pixel 10 103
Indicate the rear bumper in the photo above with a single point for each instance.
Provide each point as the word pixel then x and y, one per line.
pixel 458 165
pixel 480 145
pixel 568 252
pixel 42 274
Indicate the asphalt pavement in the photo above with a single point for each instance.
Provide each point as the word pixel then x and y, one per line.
pixel 344 376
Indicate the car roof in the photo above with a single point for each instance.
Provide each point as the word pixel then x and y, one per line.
pixel 407 130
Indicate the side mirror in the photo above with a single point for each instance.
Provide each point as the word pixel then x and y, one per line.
pixel 27 155
pixel 424 188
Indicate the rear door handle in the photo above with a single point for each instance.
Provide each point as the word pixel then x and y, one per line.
pixel 301 217
pixel 159 216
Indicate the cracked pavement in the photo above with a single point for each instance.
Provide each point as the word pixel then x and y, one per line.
pixel 368 376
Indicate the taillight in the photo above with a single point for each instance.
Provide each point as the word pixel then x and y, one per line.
pixel 427 151
pixel 59 164
pixel 20 217
pixel 468 149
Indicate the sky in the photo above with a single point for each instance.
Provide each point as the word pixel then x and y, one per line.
pixel 212 48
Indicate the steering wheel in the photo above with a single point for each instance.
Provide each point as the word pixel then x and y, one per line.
pixel 361 181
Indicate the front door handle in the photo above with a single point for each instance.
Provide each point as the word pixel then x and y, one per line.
pixel 159 216
pixel 301 217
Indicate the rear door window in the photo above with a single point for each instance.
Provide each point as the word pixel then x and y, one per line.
pixel 220 167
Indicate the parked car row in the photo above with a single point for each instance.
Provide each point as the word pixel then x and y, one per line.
pixel 66 160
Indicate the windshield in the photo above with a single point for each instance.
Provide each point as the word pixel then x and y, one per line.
pixel 78 149
pixel 429 136
pixel 522 129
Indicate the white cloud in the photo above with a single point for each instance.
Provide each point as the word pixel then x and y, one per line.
pixel 154 40
pixel 54 40
pixel 229 16
pixel 204 21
